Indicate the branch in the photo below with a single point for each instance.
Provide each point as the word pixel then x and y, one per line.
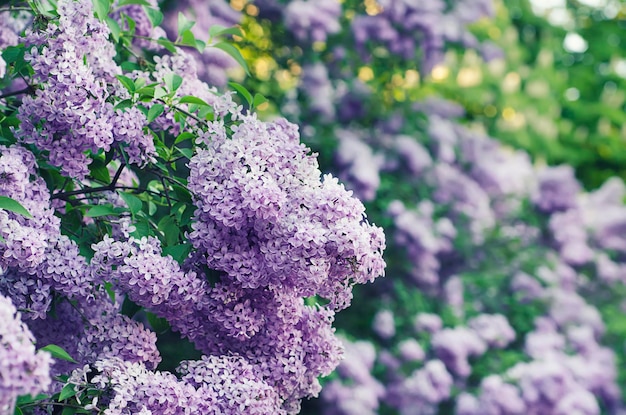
pixel 29 89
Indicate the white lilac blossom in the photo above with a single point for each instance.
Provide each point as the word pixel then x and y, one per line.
pixel 23 370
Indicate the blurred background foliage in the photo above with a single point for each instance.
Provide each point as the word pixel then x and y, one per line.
pixel 555 89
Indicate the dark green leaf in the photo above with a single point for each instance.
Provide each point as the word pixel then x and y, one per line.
pixel 101 210
pixel 99 171
pixel 234 52
pixel 67 392
pixel 159 325
pixel 127 103
pixel 178 252
pixel 14 206
pixel 187 152
pixel 185 135
pixel 155 111
pixel 69 410
pixel 58 353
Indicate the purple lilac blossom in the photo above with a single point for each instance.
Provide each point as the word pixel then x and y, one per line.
pixel 23 370
pixel 454 346
pixel 358 165
pixel 313 20
pixel 73 65
pixel 384 325
pixel 557 189
pixel 494 329
pixel 406 29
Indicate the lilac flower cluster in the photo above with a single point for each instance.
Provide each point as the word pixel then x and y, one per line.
pixel 406 29
pixel 71 111
pixel 312 21
pixel 23 370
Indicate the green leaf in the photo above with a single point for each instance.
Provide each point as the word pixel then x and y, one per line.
pixel 184 24
pixel 155 111
pixel 242 91
pixel 185 135
pixel 114 28
pixel 101 210
pixel 159 325
pixel 173 81
pixel 178 252
pixel 127 103
pixel 200 45
pixel 99 171
pixel 155 16
pixel 69 410
pixel 188 38
pixel 234 52
pixel 187 152
pixel 258 100
pixel 189 99
pixel 133 202
pixel 67 392
pixel 128 83
pixel 13 53
pixel 102 8
pixel 58 352
pixel 217 30
pixel 14 206
pixel 127 2
pixel 167 44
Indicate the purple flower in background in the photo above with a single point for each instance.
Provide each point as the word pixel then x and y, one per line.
pixel 493 329
pixel 383 324
pixel 313 20
pixel 557 190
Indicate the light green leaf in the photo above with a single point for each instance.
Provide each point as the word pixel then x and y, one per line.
pixel 102 8
pixel 258 100
pixel 190 99
pixel 185 135
pixel 58 352
pixel 14 206
pixel 114 28
pixel 173 81
pixel 127 2
pixel 217 30
pixel 184 24
pixel 242 91
pixel 234 52
pixel 155 16
pixel 155 111
pixel 133 202
pixel 101 210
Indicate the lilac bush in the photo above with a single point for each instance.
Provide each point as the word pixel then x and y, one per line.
pixel 142 209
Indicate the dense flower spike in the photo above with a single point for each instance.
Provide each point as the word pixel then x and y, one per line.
pixel 261 204
pixel 23 370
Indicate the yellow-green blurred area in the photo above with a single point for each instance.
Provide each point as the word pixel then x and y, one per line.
pixel 558 90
